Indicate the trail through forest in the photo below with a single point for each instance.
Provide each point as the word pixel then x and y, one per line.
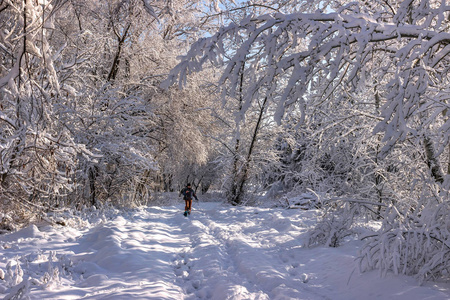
pixel 219 252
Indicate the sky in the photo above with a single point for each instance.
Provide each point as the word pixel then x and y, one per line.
pixel 218 252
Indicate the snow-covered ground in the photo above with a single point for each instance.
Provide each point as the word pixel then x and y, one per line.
pixel 219 252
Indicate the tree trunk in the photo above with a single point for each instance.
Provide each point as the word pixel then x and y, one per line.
pixel 91 176
pixel 232 194
pixel 240 184
pixel 378 177
pixel 433 161
pixel 115 66
pixel 140 187
pixel 448 160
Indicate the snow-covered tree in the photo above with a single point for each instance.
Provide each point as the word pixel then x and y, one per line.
pixel 398 51
pixel 37 153
pixel 80 99
pixel 247 111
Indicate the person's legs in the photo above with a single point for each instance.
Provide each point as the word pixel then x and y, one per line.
pixel 187 207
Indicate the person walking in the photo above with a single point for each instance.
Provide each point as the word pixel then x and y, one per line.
pixel 188 193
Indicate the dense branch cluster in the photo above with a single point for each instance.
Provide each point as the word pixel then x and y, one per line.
pixel 346 100
pixel 82 118
pixel 362 92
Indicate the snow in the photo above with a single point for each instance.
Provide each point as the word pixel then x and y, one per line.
pixel 219 252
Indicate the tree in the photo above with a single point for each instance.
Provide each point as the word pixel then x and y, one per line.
pixel 80 98
pixel 247 110
pixel 399 50
pixel 37 154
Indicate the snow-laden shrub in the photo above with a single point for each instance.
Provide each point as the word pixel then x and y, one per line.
pixel 413 242
pixel 6 223
pixel 14 273
pixel 330 232
pixel 304 201
pixel 20 292
pixel 336 224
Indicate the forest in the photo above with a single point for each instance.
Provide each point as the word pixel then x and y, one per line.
pixel 110 102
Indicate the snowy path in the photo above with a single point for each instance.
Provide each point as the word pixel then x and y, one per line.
pixel 235 259
pixel 219 252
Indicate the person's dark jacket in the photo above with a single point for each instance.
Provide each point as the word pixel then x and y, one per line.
pixel 188 193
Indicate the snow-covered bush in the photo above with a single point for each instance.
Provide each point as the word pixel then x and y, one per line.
pixel 414 240
pixel 6 223
pixel 336 224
